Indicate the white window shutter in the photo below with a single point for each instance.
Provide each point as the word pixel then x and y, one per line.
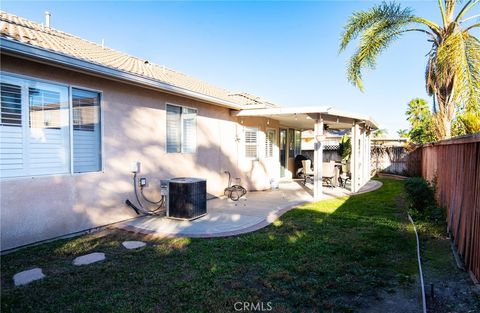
pixel 251 142
pixel 11 131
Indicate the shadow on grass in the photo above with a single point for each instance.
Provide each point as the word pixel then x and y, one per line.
pixel 334 255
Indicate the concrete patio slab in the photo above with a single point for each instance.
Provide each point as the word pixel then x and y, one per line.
pixel 228 218
pixel 26 277
pixel 89 258
pixel 133 244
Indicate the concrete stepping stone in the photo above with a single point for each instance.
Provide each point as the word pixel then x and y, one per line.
pixel 133 244
pixel 89 258
pixel 25 277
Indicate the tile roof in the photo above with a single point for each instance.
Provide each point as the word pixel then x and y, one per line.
pixel 35 34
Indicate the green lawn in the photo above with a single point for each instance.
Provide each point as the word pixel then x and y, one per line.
pixel 331 256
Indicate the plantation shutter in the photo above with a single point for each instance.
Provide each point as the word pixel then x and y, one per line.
pixel 48 130
pixel 11 131
pixel 174 127
pixel 189 130
pixel 269 143
pixel 86 131
pixel 251 142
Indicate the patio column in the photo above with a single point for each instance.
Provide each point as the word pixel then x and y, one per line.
pixel 354 159
pixel 318 159
pixel 369 155
pixel 362 164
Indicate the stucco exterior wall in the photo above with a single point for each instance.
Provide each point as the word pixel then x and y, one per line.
pixel 39 208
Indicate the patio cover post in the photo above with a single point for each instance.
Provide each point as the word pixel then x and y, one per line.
pixel 354 157
pixel 318 159
pixel 362 157
pixel 369 156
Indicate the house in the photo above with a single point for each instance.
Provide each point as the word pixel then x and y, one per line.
pixel 75 116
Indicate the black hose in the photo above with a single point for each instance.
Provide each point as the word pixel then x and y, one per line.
pixel 150 201
pixel 142 208
pixel 130 204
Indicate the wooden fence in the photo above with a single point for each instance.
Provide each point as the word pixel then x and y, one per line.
pixel 455 164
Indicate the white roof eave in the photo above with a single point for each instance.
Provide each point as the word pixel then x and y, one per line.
pixel 272 112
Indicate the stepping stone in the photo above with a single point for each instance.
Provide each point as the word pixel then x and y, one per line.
pixel 26 277
pixel 133 244
pixel 89 258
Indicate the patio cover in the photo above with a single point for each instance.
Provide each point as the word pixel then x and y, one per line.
pixel 316 118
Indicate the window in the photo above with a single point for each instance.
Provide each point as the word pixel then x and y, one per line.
pixel 294 142
pixel 251 135
pixel 298 142
pixel 270 143
pixel 86 131
pixel 45 108
pixel 35 129
pixel 181 129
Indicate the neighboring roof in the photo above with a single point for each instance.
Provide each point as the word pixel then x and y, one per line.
pixel 390 139
pixel 304 117
pixel 20 30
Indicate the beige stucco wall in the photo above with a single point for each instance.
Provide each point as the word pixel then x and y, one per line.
pixel 39 208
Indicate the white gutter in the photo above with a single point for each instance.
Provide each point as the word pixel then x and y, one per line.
pixel 15 48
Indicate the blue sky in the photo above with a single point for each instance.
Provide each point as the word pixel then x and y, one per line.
pixel 286 52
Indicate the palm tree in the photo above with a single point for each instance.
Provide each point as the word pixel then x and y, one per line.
pixel 380 133
pixel 452 74
pixel 402 133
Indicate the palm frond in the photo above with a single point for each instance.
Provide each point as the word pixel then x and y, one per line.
pixel 362 20
pixel 472 60
pixel 430 78
pixel 442 12
pixel 458 63
pixel 449 9
pixel 376 35
pixel 472 26
pixel 467 7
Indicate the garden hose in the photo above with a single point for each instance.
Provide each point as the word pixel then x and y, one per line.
pixel 424 301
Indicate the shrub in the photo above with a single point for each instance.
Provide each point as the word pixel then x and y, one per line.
pixel 420 194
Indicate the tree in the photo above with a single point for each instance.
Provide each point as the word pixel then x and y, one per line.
pixel 403 133
pixel 345 148
pixel 421 122
pixel 380 133
pixel 452 74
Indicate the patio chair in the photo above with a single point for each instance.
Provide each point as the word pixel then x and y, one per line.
pixel 307 171
pixel 328 173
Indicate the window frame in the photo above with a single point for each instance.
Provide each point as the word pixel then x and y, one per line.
pixel 256 144
pixel 181 128
pixel 102 146
pixel 25 115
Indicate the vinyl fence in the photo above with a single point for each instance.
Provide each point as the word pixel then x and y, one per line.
pixel 455 164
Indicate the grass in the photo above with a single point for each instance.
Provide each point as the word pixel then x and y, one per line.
pixel 332 256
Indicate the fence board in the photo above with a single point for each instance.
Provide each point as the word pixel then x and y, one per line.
pixel 455 164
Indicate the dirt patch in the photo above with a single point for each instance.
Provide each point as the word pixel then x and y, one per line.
pixel 403 300
pixel 453 289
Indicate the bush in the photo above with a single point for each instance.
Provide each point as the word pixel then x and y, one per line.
pixel 420 194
